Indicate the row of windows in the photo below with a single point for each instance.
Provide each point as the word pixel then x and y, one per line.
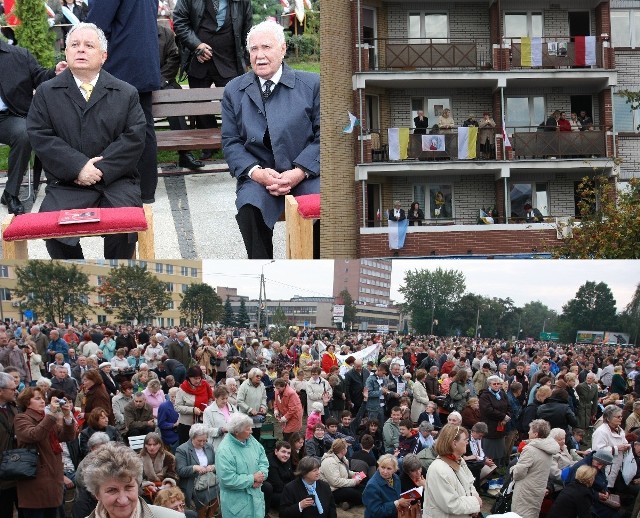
pixel 375 273
pixel 372 300
pixel 382 284
pixel 381 265
pixel 373 291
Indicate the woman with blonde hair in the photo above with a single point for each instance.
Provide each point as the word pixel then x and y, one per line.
pixel 381 497
pixel 173 498
pixel 345 484
pixel 206 356
pixel 450 491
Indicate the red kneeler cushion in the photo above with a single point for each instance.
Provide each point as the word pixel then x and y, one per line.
pixel 43 225
pixel 309 205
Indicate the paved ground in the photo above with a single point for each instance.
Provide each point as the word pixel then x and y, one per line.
pixel 194 218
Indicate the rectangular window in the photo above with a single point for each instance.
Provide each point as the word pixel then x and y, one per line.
pixel 625 28
pixel 5 294
pixel 372 103
pixel 436 200
pixel 184 271
pixel 524 113
pixel 142 264
pixel 113 263
pixel 161 321
pixel 517 25
pixel 170 305
pixel 537 194
pixel 170 269
pixel 102 319
pixel 626 119
pixel 169 287
pixel 194 272
pixel 159 267
pixel 185 287
pixel 4 271
pixel 428 27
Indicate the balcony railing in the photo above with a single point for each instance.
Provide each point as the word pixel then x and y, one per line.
pixel 526 143
pixel 558 52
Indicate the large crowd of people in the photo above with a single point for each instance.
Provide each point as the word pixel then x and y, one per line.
pixel 225 420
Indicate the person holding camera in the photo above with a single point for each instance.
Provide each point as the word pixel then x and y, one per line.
pixel 43 427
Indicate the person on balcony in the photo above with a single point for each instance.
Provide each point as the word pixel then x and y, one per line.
pixel 471 122
pixel 563 122
pixel 397 213
pixel 486 135
pixel 586 122
pixel 532 215
pixel 445 121
pixel 552 121
pixel 574 122
pixel 421 124
pixel 416 215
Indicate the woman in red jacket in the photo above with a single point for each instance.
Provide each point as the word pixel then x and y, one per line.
pixel 329 359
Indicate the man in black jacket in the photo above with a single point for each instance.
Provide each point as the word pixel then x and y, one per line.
pixel 280 474
pixel 355 380
pixel 20 74
pixel 8 410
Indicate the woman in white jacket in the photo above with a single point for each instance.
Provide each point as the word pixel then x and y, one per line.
pixel 153 353
pixel 334 470
pixel 420 396
pixel 217 415
pixel 610 436
pixel 449 490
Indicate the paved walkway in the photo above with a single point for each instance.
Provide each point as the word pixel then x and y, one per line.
pixel 194 218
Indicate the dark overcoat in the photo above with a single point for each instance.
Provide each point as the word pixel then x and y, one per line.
pixel 33 430
pixel 292 115
pixel 130 26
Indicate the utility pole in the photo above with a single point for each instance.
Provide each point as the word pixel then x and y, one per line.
pixel 262 297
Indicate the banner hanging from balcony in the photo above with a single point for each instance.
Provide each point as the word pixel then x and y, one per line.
pixel 530 52
pixel 398 143
pixel 585 50
pixel 397 233
pixel 467 139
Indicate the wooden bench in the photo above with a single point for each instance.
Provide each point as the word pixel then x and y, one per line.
pixel 187 102
pixel 17 230
pixel 300 212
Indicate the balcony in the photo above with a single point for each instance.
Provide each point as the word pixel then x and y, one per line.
pixel 558 52
pixel 526 144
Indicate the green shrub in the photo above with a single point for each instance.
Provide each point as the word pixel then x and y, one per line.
pixel 33 33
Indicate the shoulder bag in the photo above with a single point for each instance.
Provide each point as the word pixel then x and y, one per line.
pixel 19 464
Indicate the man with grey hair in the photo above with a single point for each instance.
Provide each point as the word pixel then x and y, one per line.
pixel 267 158
pixel 40 339
pixel 8 410
pixel 179 349
pixel 587 392
pixel 88 129
pixel 252 399
pixel 62 381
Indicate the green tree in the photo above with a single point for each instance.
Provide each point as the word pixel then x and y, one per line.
pixel 229 319
pixel 53 290
pixel 534 317
pixel 201 304
pixel 242 318
pixel 132 293
pixel 280 330
pixel 630 318
pixel 609 222
pixel 593 308
pixel 349 307
pixel 426 291
pixel 34 32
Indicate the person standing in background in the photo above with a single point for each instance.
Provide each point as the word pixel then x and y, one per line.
pixel 131 30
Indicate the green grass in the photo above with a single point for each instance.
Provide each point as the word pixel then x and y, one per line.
pixel 172 156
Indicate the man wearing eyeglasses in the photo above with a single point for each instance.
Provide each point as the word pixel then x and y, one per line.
pixel 8 497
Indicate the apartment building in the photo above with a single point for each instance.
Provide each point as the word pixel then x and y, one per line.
pixel 178 276
pixel 518 61
pixel 368 281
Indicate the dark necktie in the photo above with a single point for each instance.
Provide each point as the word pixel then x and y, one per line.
pixel 216 5
pixel 267 88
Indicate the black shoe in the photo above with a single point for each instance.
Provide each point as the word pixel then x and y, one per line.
pixel 13 203
pixel 206 154
pixel 188 161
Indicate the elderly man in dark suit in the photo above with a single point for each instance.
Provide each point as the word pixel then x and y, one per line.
pixel 270 136
pixel 421 124
pixel 88 128
pixel 20 74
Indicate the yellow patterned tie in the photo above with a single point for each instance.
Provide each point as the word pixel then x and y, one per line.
pixel 87 88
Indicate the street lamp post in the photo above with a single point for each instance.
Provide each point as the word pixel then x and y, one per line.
pixel 262 297
pixel 477 321
pixel 433 308
pixel 544 324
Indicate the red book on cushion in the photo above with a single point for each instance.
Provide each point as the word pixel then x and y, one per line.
pixel 43 225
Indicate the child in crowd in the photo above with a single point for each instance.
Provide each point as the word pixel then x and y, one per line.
pixel 313 419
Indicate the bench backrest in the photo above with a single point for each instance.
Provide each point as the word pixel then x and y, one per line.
pixel 136 442
pixel 187 101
